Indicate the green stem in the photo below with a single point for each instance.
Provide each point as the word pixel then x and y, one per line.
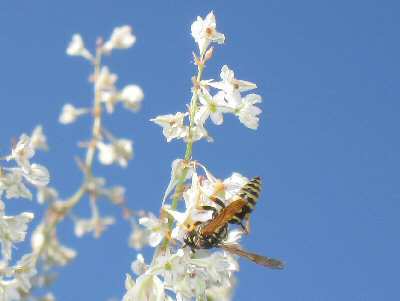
pixel 188 151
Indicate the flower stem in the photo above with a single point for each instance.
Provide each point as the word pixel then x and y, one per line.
pixel 189 146
pixel 58 210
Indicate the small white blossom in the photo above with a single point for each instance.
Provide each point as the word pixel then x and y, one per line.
pixel 120 151
pixel 190 276
pixel 105 84
pixel 172 125
pixel 38 139
pixel 121 38
pixel 158 228
pixel 13 230
pixel 132 97
pixel 197 132
pixel 77 48
pixel 139 266
pixel 192 214
pixel 234 236
pixel 205 31
pixel 221 292
pixel 148 287
pixel 248 112
pixel 115 194
pixel 106 80
pixel 225 190
pixel 95 185
pixel 24 271
pixel 213 107
pixel 69 113
pixel 37 175
pixel 51 250
pixel 22 152
pixel 9 290
pixel 12 184
pixel 138 238
pixel 230 84
pixel 95 224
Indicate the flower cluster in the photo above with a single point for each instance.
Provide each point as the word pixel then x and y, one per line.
pixel 15 280
pixel 206 104
pixel 177 272
pixel 204 275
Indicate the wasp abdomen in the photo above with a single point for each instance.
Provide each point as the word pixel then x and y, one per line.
pixel 249 193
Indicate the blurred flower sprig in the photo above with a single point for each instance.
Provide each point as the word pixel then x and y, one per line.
pixel 104 145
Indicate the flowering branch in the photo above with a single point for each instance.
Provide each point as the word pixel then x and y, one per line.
pixel 177 271
pixel 46 247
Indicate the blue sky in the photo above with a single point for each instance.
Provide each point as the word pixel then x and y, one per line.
pixel 327 147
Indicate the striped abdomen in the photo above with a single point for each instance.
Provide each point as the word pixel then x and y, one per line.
pixel 249 193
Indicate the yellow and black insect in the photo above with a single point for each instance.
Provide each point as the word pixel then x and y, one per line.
pixel 212 233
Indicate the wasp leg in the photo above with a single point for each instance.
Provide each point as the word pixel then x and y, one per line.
pixel 247 226
pixel 218 201
pixel 211 208
pixel 243 227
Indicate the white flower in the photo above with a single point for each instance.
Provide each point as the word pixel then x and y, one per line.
pixel 138 237
pixel 204 32
pixel 211 106
pixel 105 84
pixel 95 224
pixel 192 214
pixel 158 228
pixel 119 151
pixel 121 38
pixel 248 112
pixel 172 125
pixel 69 113
pixel 224 190
pixel 116 194
pixel 190 275
pixel 38 139
pixel 22 152
pixel 197 132
pixel 139 266
pixel 234 236
pixel 24 271
pixel 77 48
pixel 148 287
pixel 37 175
pixel 11 183
pixel 106 80
pixel 12 230
pixel 9 290
pixel 230 84
pixel 222 293
pixel 132 97
pixel 51 250
pixel 95 185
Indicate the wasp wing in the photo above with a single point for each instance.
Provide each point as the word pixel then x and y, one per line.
pixel 223 217
pixel 259 259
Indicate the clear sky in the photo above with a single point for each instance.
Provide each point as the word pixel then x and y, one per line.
pixel 327 147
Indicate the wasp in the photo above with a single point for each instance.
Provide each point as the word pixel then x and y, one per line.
pixel 212 233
